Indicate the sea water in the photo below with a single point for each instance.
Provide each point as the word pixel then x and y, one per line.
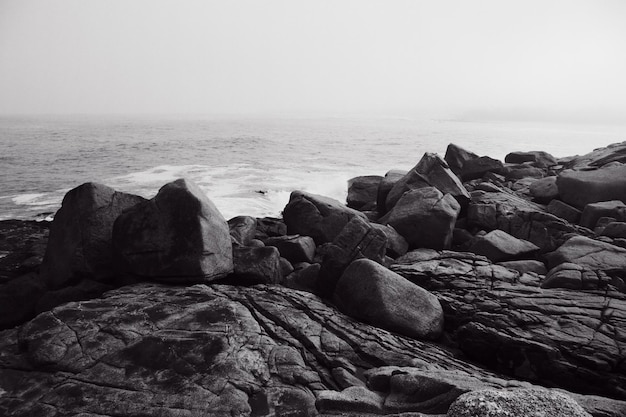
pixel 246 165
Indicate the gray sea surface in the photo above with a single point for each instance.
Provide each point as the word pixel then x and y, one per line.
pixel 247 166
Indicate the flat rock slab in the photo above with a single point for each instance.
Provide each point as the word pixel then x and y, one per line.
pixel 571 339
pixel 579 188
pixel 590 253
pixel 498 245
pixel 220 350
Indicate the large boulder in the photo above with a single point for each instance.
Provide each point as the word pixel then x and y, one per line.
pixel 520 402
pixel 476 168
pixel 79 246
pixel 564 211
pixel 362 192
pixel 544 190
pixel 317 216
pixel 580 188
pixel 498 246
pixel 456 157
pixel 425 217
pixel 538 159
pixel 177 236
pixel 614 153
pixel 594 211
pixel 258 265
pixel 589 253
pixel 430 171
pixel 358 239
pixel 370 292
pixel 295 248
pixel 242 230
pixel 385 186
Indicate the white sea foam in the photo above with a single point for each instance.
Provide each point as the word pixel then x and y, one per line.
pixel 27 199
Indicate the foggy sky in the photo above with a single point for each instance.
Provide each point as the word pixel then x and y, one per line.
pixel 382 57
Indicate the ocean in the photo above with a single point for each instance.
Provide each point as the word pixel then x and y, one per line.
pixel 247 166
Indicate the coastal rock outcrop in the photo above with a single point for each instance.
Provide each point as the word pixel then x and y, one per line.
pixel 498 246
pixel 424 217
pixel 80 243
pixel 504 320
pixel 579 188
pixel 363 191
pixel 373 294
pixel 317 216
pixel 177 236
pixel 538 159
pixel 430 171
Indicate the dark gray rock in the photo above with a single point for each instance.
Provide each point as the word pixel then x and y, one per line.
pixel 456 157
pixel 385 186
pixel 295 248
pixel 594 211
pixel 177 236
pixel 538 159
pixel 424 217
pixel 430 171
pixel 498 246
pixel 320 217
pixel 242 230
pixel 80 243
pixel 260 265
pixel 579 188
pixel 373 294
pixel 363 191
pixel 564 211
pixel 544 190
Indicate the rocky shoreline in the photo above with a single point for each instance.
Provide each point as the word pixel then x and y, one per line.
pixel 465 286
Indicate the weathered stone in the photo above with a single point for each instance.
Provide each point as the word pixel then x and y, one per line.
pixel 19 298
pixel 456 157
pixel 358 239
pixel 430 171
pixel 544 190
pixel 242 230
pixel 539 159
pixel 363 191
pixel 295 248
pixel 525 266
pixel 268 227
pixel 352 399
pixel 177 236
pixel 559 337
pixel 589 253
pixel 615 230
pixel 498 245
pixel 79 246
pixel 370 292
pixel 476 168
pixel 396 243
pixel 482 215
pixel 304 278
pixel 523 172
pixel 256 265
pixel 424 217
pixel 600 157
pixel 385 186
pixel 22 247
pixel 594 211
pixel 579 188
pixel 564 211
pixel 516 403
pixel 320 217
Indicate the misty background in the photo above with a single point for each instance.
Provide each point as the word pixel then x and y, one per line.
pixel 491 59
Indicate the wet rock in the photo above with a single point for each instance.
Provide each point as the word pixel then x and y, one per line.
pixel 538 159
pixel 516 403
pixel 498 245
pixel 320 217
pixel 295 248
pixel 363 191
pixel 579 188
pixel 22 247
pixel 177 236
pixel 242 230
pixel 424 217
pixel 594 211
pixel 544 190
pixel 371 293
pixel 80 243
pixel 430 171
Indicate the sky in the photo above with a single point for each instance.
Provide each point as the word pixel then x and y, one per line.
pixel 491 58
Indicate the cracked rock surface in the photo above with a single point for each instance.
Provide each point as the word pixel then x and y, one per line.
pixel 154 350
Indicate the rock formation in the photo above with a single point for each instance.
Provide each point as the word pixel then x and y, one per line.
pixel 511 302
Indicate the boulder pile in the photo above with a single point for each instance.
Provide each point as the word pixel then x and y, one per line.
pixel 465 286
